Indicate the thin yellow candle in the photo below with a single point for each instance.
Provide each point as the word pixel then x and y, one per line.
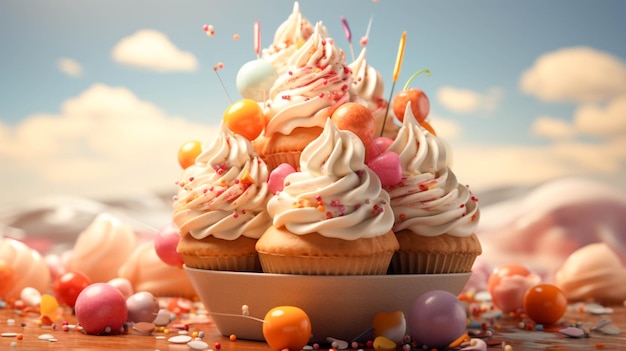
pixel 396 69
pixel 396 73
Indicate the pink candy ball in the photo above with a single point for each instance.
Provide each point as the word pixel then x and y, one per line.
pixel 387 167
pixel 436 319
pixel 101 309
pixel 165 246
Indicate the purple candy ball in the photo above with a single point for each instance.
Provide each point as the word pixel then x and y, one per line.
pixel 436 319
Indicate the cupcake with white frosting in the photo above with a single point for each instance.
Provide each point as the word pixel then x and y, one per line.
pixel 332 217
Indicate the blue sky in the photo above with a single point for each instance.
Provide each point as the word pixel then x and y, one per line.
pixel 522 91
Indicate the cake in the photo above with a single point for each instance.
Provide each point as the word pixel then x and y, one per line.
pixel 332 217
pixel 435 216
pixel 315 82
pixel 220 208
pixel 316 134
pixel 102 248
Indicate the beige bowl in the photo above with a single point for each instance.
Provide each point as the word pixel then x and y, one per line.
pixel 342 307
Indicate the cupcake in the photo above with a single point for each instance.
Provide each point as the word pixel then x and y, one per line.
pixel 369 86
pixel 220 206
pixel 435 216
pixel 332 217
pixel 316 81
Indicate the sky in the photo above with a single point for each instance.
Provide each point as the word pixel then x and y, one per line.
pixel 97 96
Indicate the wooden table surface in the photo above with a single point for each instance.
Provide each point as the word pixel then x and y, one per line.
pixel 506 329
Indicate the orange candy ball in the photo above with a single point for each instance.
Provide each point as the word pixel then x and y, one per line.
pixel 245 117
pixel 545 303
pixel 356 118
pixel 286 327
pixel 188 152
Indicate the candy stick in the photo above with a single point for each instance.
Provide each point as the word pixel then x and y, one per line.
pixel 257 38
pixel 348 33
pixel 210 31
pixel 365 38
pixel 396 73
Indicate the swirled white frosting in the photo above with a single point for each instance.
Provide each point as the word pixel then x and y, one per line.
pixel 593 273
pixel 429 201
pixel 225 192
pixel 334 194
pixel 29 269
pixel 289 36
pixel 369 85
pixel 147 272
pixel 102 248
pixel 317 80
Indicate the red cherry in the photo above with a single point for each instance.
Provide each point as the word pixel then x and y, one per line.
pixel 68 286
pixel 358 119
pixel 420 105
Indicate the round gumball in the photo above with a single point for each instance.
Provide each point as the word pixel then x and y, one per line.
pixel 123 285
pixel 68 286
pixel 507 285
pixel 188 152
pixel 255 78
pixel 387 167
pixel 358 119
pixel 142 307
pixel 286 327
pixel 245 117
pixel 545 303
pixel 436 319
pixel 165 244
pixel 101 309
pixel 30 296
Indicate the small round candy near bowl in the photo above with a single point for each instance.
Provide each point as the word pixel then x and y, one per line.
pixel 342 307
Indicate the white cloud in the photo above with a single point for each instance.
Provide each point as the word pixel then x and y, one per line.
pixel 486 167
pixel 607 121
pixel 445 128
pixel 106 142
pixel 553 128
pixel 468 101
pixel 578 74
pixel 153 50
pixel 70 67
